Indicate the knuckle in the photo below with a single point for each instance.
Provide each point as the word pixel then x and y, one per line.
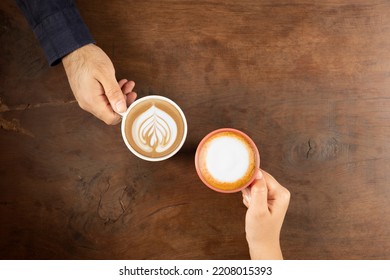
pixel 285 194
pixel 83 105
pixel 259 189
pixel 106 121
pixel 113 93
pixel 115 122
pixel 260 213
pixel 109 120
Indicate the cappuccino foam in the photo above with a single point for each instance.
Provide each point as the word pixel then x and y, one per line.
pixel 227 161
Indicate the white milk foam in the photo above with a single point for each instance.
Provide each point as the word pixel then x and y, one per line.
pixel 155 130
pixel 227 159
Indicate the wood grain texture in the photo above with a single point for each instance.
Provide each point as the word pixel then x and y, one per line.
pixel 308 82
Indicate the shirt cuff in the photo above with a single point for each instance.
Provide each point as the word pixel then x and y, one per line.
pixel 62 33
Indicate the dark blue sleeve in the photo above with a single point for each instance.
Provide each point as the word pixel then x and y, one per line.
pixel 58 26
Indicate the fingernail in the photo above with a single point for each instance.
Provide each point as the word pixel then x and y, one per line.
pixel 120 106
pixel 259 175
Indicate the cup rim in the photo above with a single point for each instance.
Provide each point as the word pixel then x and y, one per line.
pixel 227 129
pixel 132 105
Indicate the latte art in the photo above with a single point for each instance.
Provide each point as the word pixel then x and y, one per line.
pixel 154 130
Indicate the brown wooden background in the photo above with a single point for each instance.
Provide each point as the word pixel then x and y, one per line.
pixel 310 83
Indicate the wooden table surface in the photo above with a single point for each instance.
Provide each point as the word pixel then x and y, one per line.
pixel 310 83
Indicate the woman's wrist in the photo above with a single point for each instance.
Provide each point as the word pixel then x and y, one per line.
pixel 268 251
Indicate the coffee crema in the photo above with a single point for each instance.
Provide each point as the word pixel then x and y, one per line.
pixel 227 161
pixel 155 128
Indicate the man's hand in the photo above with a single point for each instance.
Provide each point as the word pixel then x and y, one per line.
pixel 92 79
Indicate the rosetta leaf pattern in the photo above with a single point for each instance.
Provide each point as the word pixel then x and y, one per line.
pixel 155 129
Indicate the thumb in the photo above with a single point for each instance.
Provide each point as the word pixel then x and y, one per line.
pixel 259 195
pixel 114 94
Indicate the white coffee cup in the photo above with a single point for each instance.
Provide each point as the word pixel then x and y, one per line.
pixel 154 128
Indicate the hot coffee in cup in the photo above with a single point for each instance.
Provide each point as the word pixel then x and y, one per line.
pixel 154 128
pixel 227 160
